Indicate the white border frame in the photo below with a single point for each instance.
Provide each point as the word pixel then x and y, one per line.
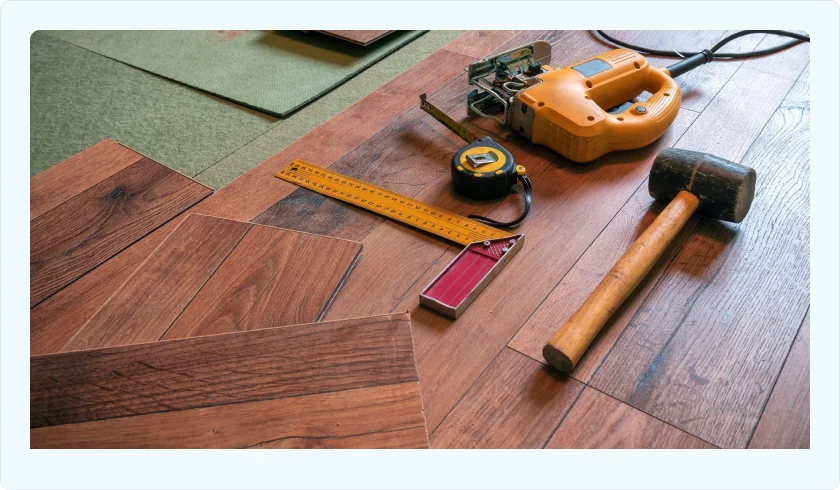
pixel 21 467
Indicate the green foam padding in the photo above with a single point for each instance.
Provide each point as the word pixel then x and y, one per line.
pixel 276 72
pixel 79 98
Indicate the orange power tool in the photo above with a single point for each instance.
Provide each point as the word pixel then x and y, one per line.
pixel 582 111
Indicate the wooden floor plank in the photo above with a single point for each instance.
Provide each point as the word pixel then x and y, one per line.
pixel 785 422
pixel 740 293
pixel 377 417
pixel 155 294
pixel 78 173
pixel 136 379
pixel 479 44
pixel 71 239
pixel 353 381
pixel 515 404
pixel 597 421
pixel 272 278
pixel 213 275
pixel 362 38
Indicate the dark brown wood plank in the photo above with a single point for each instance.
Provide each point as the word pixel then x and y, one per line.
pixel 273 277
pixel 704 349
pixel 149 301
pixel 213 370
pixel 389 416
pixel 785 422
pixel 515 404
pixel 78 173
pixel 597 421
pixel 55 320
pixel 85 231
pixel 362 38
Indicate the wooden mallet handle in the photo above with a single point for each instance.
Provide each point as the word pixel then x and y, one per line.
pixel 567 345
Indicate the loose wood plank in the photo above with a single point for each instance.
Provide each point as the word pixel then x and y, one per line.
pixel 388 416
pixel 85 231
pixel 212 370
pixel 785 422
pixel 597 421
pixel 143 308
pixel 56 320
pixel 362 38
pixel 516 403
pixel 703 350
pixel 213 275
pixel 78 173
pixel 272 278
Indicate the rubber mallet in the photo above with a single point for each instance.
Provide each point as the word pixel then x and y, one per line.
pixel 691 181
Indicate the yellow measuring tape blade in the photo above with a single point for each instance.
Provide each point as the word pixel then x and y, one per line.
pixel 386 203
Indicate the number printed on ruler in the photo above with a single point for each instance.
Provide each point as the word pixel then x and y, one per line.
pixel 418 214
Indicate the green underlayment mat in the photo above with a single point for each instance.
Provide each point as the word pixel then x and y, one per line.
pixel 78 98
pixel 275 72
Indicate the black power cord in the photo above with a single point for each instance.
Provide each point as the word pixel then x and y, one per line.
pixel 526 185
pixel 691 61
pixel 796 39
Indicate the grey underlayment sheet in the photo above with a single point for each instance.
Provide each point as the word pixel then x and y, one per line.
pixel 275 72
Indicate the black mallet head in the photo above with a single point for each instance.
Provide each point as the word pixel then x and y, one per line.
pixel 725 189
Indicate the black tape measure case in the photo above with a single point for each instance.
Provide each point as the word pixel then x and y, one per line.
pixel 484 170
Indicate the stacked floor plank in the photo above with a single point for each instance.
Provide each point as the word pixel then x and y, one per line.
pixel 186 352
pixel 710 351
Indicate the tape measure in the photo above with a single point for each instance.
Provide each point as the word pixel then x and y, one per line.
pixel 483 169
pixel 404 209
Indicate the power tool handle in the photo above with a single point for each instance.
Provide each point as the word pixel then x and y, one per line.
pixel 567 345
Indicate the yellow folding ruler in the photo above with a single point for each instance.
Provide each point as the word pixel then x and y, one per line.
pixel 487 249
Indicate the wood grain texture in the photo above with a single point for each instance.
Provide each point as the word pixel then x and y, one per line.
pixel 155 294
pixel 272 278
pixel 515 404
pixel 362 38
pixel 71 239
pixel 479 44
pixel 703 350
pixel 212 370
pixel 78 173
pixel 785 422
pixel 451 355
pixel 213 275
pixel 387 416
pixel 599 421
pixel 56 320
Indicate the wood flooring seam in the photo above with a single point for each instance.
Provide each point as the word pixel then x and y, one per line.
pixel 130 244
pixel 778 375
pixel 565 414
pixel 448 413
pixel 340 284
pixel 210 276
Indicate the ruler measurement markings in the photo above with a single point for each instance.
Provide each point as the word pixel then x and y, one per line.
pixel 387 203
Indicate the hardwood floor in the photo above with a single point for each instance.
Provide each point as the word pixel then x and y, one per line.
pixel 707 352
pixel 335 384
pixel 213 275
pixel 72 234
pixel 362 38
